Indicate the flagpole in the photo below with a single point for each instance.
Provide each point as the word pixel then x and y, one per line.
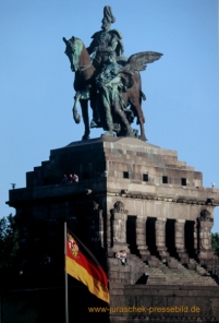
pixel 66 275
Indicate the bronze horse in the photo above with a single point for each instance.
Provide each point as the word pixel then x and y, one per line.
pixel 84 85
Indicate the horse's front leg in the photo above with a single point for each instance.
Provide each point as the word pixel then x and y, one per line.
pixel 76 115
pixel 84 108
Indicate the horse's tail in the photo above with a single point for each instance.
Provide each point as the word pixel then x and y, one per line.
pixel 76 115
pixel 142 95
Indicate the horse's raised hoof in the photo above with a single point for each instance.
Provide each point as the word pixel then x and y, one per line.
pixel 77 118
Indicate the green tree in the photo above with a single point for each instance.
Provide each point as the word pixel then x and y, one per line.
pixel 8 241
pixel 215 242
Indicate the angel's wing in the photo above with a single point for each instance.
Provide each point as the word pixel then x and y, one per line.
pixel 138 61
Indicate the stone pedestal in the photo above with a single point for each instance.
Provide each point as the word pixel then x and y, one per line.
pixel 147 190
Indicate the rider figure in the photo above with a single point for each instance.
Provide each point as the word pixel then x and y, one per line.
pixel 105 41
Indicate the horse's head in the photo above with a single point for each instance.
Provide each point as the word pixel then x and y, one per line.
pixel 74 47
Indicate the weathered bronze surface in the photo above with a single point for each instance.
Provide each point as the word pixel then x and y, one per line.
pixel 109 80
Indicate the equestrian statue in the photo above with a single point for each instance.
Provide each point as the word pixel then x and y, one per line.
pixel 109 81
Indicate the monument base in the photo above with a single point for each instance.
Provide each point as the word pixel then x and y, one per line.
pixel 175 304
pixel 134 197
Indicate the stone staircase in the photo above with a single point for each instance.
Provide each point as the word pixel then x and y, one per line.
pixel 162 274
pixel 177 276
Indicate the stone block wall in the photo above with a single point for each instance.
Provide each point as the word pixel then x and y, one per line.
pixel 164 304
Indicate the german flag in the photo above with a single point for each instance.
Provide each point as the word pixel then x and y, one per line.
pixel 84 269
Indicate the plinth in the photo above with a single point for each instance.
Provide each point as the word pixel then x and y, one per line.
pixel 139 198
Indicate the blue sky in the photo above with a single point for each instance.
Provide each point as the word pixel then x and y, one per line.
pixel 182 88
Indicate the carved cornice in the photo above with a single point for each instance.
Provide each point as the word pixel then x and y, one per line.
pixel 180 200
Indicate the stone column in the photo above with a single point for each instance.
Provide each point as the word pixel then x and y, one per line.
pixel 141 237
pixel 205 223
pixel 180 240
pixel 160 227
pixel 118 227
pixel 108 233
pixel 101 229
pixel 196 237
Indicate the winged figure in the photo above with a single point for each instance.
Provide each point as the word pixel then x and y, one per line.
pixel 138 62
pixel 113 80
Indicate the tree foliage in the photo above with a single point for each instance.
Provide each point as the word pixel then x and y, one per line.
pixel 8 241
pixel 215 242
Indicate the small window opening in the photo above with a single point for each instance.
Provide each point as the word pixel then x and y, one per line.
pixel 165 179
pixel 183 181
pixel 145 177
pixel 125 174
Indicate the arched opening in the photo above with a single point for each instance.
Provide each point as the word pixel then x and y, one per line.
pixel 131 233
pixel 170 237
pixel 151 236
pixel 189 238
